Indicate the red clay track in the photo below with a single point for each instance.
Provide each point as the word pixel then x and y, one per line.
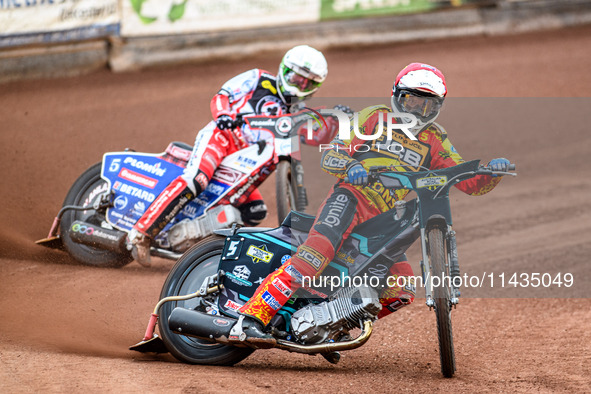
pixel 66 327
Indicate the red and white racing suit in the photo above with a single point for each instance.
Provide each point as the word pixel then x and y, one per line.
pixel 347 206
pixel 253 92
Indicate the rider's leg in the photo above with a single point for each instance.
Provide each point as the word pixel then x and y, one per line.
pixel 211 146
pixel 401 289
pixel 253 211
pixel 159 213
pixel 338 214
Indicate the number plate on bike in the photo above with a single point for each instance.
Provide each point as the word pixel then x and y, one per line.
pixel 432 181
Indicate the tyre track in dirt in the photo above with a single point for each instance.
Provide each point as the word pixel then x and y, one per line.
pixel 66 327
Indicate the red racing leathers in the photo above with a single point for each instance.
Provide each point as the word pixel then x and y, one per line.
pixel 347 206
pixel 253 92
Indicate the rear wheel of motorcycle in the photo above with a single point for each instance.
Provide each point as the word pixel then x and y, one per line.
pixel 285 190
pixel 186 277
pixel 87 189
pixel 442 294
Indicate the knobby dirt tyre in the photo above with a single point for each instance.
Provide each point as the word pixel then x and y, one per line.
pixel 84 192
pixel 186 277
pixel 442 295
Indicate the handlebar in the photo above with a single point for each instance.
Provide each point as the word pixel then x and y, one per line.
pixel 374 171
pixel 238 122
pixel 487 171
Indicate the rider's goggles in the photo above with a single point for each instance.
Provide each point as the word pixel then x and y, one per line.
pixel 418 104
pixel 303 84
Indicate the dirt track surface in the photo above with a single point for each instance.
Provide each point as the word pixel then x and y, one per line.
pixel 67 327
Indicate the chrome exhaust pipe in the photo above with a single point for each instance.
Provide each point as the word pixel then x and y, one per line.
pixel 217 329
pixel 329 347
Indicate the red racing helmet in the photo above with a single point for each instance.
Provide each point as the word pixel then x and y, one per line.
pixel 419 89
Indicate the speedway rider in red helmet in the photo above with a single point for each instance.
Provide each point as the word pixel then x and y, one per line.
pixel 254 92
pixel 419 89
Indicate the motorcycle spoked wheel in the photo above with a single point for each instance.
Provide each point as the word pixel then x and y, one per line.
pixel 442 295
pixel 199 262
pixel 88 188
pixel 285 190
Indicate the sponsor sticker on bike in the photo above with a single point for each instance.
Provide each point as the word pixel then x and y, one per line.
pixel 217 190
pixel 190 211
pixel 134 191
pixel 244 162
pixel 221 322
pixel 282 287
pixel 238 281
pixel 154 169
pixel 347 258
pixel 120 202
pixel 294 273
pixel 227 175
pixel 259 254
pixel 284 125
pixel 233 249
pixel 432 181
pixel 232 305
pixel 285 258
pixel 241 271
pixel 137 178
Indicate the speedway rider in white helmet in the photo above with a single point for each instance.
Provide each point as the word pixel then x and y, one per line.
pixel 254 92
pixel 301 72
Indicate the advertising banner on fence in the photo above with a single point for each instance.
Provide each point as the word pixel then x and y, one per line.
pixel 46 21
pixel 159 17
pixel 332 9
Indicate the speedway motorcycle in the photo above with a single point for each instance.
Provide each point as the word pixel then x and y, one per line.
pixel 104 203
pixel 212 280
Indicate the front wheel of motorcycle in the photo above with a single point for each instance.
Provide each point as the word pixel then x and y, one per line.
pixel 87 189
pixel 442 294
pixel 186 277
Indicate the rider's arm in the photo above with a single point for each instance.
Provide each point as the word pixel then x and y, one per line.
pixel 336 160
pixel 234 92
pixel 443 155
pixel 220 105
pixel 341 156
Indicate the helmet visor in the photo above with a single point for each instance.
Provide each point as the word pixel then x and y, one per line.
pixel 422 106
pixel 300 82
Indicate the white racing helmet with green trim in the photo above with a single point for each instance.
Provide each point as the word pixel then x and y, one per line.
pixel 301 72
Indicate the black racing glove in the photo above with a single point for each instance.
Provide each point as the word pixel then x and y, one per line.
pixel 224 122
